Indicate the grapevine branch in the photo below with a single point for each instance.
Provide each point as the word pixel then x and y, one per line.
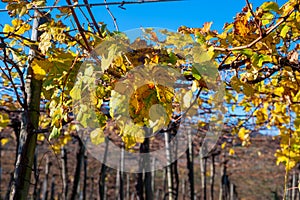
pixel 268 72
pixel 256 21
pixel 260 37
pixel 88 7
pixel 80 29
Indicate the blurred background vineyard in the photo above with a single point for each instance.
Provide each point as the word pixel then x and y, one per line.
pixel 249 173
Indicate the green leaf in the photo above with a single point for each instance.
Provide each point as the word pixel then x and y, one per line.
pixel 196 74
pixel 254 59
pixel 263 59
pixel 267 18
pixel 267 6
pixel 75 93
pixel 284 31
pixel 248 52
pixel 54 133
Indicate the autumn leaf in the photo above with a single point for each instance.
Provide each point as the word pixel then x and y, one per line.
pixel 206 27
pixel 4 120
pixel 97 136
pixel 40 68
pixel 241 26
pixel 270 5
pixel 4 141
pixel 231 151
pixel 243 133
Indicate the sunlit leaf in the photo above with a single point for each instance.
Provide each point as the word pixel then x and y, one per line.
pixel 97 136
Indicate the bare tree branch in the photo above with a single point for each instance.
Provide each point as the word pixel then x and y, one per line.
pixel 88 7
pixel 257 22
pixel 112 16
pixel 8 76
pixel 80 29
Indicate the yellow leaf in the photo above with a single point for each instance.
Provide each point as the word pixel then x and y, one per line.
pixel 45 42
pixel 19 26
pixel 261 115
pixel 231 152
pixel 206 27
pixel 235 83
pixel 4 141
pixel 243 133
pixel 8 29
pixel 155 59
pixel 4 120
pixel 40 137
pixel 40 68
pixel 66 139
pixel 118 61
pixel 56 148
pixel 284 31
pixel 223 145
pixel 16 22
pixel 279 91
pixel 240 26
pixel 129 141
pixel 158 117
pixel 201 123
pixel 39 72
pixel 248 90
pixel 97 136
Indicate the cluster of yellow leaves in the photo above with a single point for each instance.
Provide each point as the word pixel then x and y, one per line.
pixel 242 25
pixel 60 142
pixel 18 27
pixel 270 98
pixel 4 120
pixel 289 152
pixel 132 134
pixel 97 136
pixel 145 97
pixel 52 31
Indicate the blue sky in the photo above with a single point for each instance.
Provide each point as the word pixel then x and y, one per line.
pixel 191 13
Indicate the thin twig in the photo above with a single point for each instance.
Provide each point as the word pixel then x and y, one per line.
pixel 84 15
pixel 234 64
pixel 20 73
pixel 8 76
pixel 3 109
pixel 226 57
pixel 259 38
pixel 80 29
pixel 71 38
pixel 192 104
pixel 88 7
pixel 93 4
pixel 112 16
pixel 257 22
